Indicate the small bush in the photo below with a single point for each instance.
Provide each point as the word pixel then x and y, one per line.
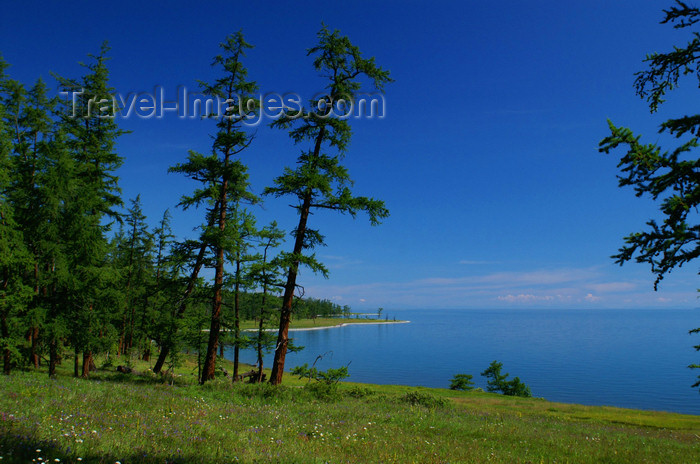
pixel 360 392
pixel 462 382
pixel 263 391
pixel 497 382
pixel 325 385
pixel 416 398
pixel 516 388
pixel 331 376
pixel 323 391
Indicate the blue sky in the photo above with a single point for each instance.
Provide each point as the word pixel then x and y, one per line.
pixel 487 157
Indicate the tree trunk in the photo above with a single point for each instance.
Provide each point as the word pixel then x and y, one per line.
pixel 164 352
pixel 6 355
pixel 209 368
pixel 88 363
pixel 130 345
pixel 33 334
pixel 122 336
pixel 33 355
pixel 290 286
pixel 236 325
pixel 76 363
pixel 165 348
pixel 53 357
pixel 260 329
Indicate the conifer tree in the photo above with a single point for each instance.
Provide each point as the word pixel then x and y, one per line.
pixel 91 133
pixel 266 274
pixel 223 178
pixel 241 232
pixel 135 247
pixel 14 257
pixel 163 286
pixel 319 180
pixel 26 115
pixel 671 176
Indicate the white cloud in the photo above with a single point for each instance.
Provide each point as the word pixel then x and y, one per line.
pixel 613 287
pixel 525 298
pixel 565 287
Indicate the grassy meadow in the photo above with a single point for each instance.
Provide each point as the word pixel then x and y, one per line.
pixel 114 417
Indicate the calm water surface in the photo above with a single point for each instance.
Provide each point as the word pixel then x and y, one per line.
pixel 627 358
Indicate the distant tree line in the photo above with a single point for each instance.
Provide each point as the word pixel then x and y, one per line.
pixel 82 274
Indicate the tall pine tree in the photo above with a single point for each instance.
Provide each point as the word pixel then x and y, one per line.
pixel 88 120
pixel 223 179
pixel 14 257
pixel 319 180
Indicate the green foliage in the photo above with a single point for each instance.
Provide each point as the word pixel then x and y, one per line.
pixel 462 382
pixel 325 385
pixel 516 388
pixel 418 398
pixel 222 187
pixel 82 273
pixel 357 391
pixel 319 181
pixel 329 377
pixel 498 382
pixel 668 176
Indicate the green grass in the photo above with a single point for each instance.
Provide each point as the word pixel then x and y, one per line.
pixel 141 419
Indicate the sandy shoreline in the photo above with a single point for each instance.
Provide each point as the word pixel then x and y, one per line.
pixel 332 326
pixel 346 323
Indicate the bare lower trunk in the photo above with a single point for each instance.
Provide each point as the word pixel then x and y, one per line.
pixel 76 363
pixel 281 349
pixel 88 363
pixel 209 369
pixel 166 347
pixel 164 352
pixel 236 325
pixel 53 357
pixel 130 344
pixel 260 335
pixel 33 338
pixel 122 336
pixel 290 286
pixel 6 356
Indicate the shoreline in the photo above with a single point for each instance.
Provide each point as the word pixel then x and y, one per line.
pixel 343 324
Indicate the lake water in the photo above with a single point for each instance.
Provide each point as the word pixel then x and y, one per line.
pixel 626 358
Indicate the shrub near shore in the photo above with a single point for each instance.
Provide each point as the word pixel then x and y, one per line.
pixel 132 419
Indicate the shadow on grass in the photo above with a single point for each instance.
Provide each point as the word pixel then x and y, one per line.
pixel 22 447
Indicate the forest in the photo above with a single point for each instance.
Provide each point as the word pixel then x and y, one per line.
pixel 82 271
